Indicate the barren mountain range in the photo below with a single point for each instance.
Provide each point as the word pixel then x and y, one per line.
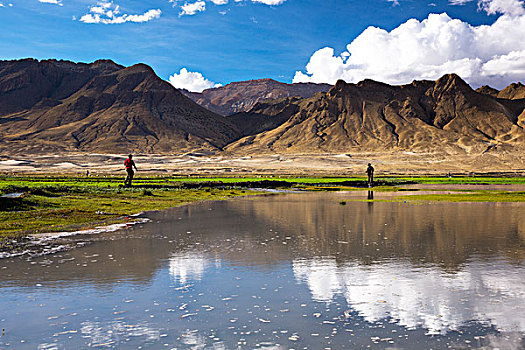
pixel 243 95
pixel 52 106
pixel 59 106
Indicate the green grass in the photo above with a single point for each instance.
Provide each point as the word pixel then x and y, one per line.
pixel 57 203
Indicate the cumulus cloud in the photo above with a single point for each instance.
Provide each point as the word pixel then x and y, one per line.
pixel 192 81
pixel 108 13
pixel 510 7
pixel 192 8
pixel 458 2
pixel 428 49
pixel 54 2
pixel 270 2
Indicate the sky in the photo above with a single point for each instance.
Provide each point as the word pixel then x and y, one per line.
pixel 198 44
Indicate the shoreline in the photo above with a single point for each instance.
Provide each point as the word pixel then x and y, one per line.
pixel 78 200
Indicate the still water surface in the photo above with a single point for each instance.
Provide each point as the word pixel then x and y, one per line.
pixel 292 271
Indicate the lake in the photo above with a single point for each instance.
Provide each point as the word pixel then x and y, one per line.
pixel 283 271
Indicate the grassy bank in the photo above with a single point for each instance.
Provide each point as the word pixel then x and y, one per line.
pixel 58 203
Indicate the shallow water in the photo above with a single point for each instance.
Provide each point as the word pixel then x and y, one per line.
pixel 279 272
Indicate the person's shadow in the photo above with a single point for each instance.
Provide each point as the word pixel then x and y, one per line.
pixel 370 195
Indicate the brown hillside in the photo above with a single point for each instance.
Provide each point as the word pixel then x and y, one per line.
pixel 488 90
pixel 242 96
pixel 425 116
pixel 513 92
pixel 52 106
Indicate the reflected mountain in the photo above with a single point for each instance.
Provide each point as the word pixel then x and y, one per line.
pixel 264 232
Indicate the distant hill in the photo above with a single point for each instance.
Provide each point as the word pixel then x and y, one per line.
pixel 48 106
pixel 445 116
pixel 243 95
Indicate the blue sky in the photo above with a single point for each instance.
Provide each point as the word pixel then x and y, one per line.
pixel 251 39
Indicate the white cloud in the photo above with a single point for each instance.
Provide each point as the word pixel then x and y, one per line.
pixel 430 48
pixel 192 8
pixel 200 5
pixel 510 7
pixel 458 2
pixel 55 2
pixel 107 13
pixel 270 2
pixel 394 2
pixel 192 81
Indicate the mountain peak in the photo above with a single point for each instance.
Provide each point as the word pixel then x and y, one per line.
pixel 242 96
pixel 514 91
pixel 488 90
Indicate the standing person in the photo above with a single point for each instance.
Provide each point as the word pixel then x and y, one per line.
pixel 129 164
pixel 370 173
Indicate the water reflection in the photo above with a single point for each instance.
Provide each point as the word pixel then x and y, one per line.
pixel 287 271
pixel 188 267
pixel 422 297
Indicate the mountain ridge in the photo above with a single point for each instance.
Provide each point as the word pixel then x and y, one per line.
pixel 241 96
pixel 52 106
pixel 58 105
pixel 425 116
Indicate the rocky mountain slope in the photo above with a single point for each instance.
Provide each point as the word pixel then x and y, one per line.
pixel 514 91
pixel 242 96
pixel 445 116
pixel 49 106
pixel 58 106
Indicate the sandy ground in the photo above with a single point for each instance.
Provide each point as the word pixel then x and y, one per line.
pixel 301 164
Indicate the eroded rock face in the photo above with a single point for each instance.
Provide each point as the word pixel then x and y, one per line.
pixel 444 116
pixel 52 106
pixel 242 96
pixel 514 91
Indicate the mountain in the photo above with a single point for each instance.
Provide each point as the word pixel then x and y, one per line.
pixel 54 106
pixel 445 116
pixel 50 106
pixel 242 96
pixel 488 90
pixel 514 91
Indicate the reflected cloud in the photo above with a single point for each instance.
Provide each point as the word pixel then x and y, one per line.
pixel 422 297
pixel 188 267
pixel 109 333
pixel 321 277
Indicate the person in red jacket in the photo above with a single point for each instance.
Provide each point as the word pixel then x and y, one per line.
pixel 129 164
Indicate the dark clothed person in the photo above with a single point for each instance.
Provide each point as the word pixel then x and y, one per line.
pixel 129 164
pixel 370 173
